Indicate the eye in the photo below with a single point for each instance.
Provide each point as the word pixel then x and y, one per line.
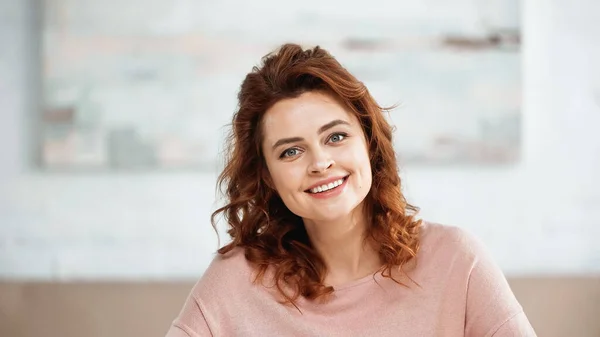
pixel 337 137
pixel 289 153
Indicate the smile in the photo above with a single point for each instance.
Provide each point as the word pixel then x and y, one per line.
pixel 327 187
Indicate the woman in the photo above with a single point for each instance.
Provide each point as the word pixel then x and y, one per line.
pixel 323 241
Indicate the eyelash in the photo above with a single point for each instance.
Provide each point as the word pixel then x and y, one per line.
pixel 343 134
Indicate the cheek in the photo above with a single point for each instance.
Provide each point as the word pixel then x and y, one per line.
pixel 285 178
pixel 360 161
pixel 358 157
pixel 288 186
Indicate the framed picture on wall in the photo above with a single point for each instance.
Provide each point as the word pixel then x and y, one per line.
pixel 152 84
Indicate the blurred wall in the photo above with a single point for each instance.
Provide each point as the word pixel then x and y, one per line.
pixel 541 216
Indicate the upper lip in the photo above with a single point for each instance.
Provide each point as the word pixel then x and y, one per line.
pixel 325 182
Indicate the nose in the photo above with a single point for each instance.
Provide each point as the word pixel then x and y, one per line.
pixel 321 162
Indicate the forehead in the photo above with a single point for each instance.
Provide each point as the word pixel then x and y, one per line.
pixel 304 114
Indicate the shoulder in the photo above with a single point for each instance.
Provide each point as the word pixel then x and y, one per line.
pixel 458 259
pixel 220 291
pixel 450 246
pixel 227 274
pixel 449 238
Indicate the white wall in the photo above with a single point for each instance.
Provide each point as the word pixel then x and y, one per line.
pixel 539 216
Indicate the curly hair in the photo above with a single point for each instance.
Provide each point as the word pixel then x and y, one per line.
pixel 260 223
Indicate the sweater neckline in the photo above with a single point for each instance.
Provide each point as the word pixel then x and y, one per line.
pixel 354 283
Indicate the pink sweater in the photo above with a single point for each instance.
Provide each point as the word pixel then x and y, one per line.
pixel 462 293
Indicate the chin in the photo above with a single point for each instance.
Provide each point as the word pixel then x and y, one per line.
pixel 328 217
pixel 332 213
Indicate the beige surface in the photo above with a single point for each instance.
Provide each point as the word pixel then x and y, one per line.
pixel 561 307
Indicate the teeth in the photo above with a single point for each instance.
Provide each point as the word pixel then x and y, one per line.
pixel 326 187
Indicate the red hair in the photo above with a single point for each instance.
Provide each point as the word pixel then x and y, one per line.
pixel 259 222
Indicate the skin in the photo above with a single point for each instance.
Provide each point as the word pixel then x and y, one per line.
pixel 310 139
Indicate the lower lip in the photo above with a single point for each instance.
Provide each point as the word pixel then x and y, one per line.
pixel 330 193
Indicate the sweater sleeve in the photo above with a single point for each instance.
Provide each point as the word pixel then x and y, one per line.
pixel 190 322
pixel 518 325
pixel 492 309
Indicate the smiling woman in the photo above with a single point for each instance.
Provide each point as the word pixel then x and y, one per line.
pixel 323 173
pixel 323 241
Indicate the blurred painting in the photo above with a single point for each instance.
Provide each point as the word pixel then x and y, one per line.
pixel 152 84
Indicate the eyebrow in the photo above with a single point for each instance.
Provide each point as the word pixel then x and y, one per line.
pixel 320 131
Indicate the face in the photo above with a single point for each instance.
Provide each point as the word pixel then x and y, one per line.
pixel 317 156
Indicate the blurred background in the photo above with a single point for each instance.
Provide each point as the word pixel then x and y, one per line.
pixel 112 116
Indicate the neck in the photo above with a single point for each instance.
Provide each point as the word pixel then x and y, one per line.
pixel 342 245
